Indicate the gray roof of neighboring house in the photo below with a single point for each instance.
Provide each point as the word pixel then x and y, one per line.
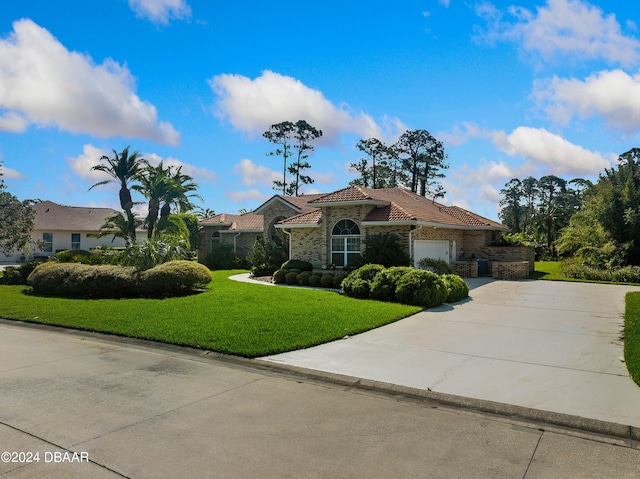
pixel 51 216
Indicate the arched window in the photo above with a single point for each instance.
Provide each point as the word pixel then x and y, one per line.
pixel 345 242
pixel 215 237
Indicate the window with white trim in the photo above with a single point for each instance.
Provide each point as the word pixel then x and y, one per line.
pixel 75 240
pixel 345 242
pixel 47 239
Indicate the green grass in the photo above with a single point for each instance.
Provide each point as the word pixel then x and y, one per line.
pixel 549 270
pixel 632 335
pixel 231 317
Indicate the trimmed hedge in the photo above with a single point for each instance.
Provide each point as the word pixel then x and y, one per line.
pixel 383 287
pixel 457 288
pixel 406 285
pixel 19 274
pixel 421 288
pixel 108 281
pixel 297 264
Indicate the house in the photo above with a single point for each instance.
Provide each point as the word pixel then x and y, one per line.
pixel 66 227
pixel 334 226
pixel 241 231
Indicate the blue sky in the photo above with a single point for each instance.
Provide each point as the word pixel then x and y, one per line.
pixel 512 89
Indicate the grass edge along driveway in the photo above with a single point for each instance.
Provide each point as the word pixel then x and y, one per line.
pixel 243 319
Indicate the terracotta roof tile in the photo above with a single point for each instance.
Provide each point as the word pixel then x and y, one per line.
pixel 246 221
pixel 311 217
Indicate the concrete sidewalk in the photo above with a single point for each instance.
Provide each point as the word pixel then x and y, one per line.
pixel 551 346
pixel 143 410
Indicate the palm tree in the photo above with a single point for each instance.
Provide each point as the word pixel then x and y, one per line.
pixel 178 188
pixel 153 185
pixel 118 226
pixel 163 188
pixel 123 168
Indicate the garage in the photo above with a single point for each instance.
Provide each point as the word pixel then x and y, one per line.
pixel 436 249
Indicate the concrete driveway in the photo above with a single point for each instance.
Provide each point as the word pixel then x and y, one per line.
pixel 551 346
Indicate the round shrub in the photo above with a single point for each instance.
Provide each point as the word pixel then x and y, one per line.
pixel 19 274
pixel 338 278
pixel 356 288
pixel 297 264
pixel 174 278
pixel 71 256
pixel 291 277
pixel 421 288
pixel 303 278
pixel 456 286
pixel 326 280
pixel 383 286
pixel 314 280
pixel 279 276
pixel 368 272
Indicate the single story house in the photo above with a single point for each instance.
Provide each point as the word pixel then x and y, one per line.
pixel 281 207
pixel 241 231
pixel 67 227
pixel 334 226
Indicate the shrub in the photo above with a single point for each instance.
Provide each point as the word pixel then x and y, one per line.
pixel 314 280
pixel 421 288
pixel 383 287
pixel 174 278
pixel 338 278
pixel 297 264
pixel 291 277
pixel 326 280
pixel 79 280
pixel 71 256
pixel 457 288
pixel 152 252
pixel 266 257
pixel 303 278
pixel 356 287
pixel 222 256
pixel 385 249
pixel 437 266
pixel 279 276
pixel 358 283
pixel 19 274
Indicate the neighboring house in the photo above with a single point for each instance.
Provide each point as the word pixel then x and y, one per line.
pixel 67 227
pixel 240 231
pixel 334 227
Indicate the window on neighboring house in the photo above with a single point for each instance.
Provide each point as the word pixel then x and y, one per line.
pixel 47 238
pixel 345 242
pixel 75 240
pixel 215 237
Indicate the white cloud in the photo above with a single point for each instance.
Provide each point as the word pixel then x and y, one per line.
pixel 252 174
pixel 81 165
pixel 161 11
pixel 252 106
pixel 13 122
pixel 568 28
pixel 243 196
pixel 459 136
pixel 195 172
pixel 43 83
pixel 541 148
pixel 10 173
pixel 613 95
pixel 445 3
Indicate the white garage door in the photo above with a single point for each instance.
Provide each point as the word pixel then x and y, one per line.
pixel 436 249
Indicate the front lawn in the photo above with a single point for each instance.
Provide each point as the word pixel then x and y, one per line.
pixel 231 317
pixel 632 335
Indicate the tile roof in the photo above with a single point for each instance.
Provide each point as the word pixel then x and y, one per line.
pixel 246 221
pixel 51 216
pixel 396 205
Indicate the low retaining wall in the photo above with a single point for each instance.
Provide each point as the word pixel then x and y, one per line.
pixel 510 270
pixel 507 254
pixel 466 269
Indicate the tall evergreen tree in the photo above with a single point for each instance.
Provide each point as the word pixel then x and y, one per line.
pixel 422 158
